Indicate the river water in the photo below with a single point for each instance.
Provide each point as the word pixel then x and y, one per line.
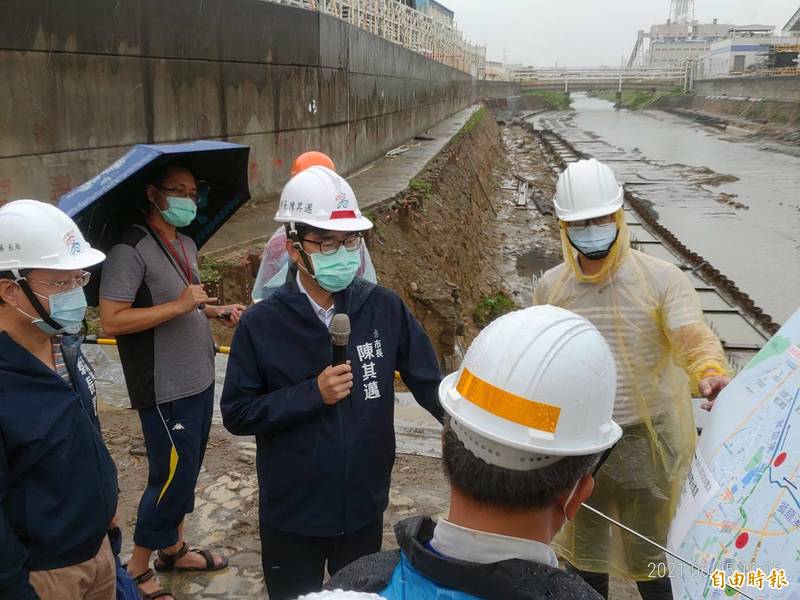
pixel 660 155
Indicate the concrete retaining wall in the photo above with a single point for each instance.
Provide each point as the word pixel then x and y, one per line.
pixel 782 89
pixel 496 89
pixel 79 91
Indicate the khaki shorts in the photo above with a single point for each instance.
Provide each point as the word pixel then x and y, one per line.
pixel 95 579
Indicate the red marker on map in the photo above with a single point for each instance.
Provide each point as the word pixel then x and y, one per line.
pixel 741 540
pixel 779 459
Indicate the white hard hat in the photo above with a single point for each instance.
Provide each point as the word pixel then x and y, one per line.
pixel 535 385
pixel 340 595
pixel 321 198
pixel 37 235
pixel 587 189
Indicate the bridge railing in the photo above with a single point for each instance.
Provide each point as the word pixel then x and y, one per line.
pixel 595 74
pixel 401 24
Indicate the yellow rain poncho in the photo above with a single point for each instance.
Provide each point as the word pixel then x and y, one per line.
pixel 650 315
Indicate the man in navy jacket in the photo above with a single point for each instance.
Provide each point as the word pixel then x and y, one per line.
pixel 325 435
pixel 528 424
pixel 58 483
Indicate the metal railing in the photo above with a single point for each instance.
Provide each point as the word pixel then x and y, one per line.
pixel 595 74
pixel 401 24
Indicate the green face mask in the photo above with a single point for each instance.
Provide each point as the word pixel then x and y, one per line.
pixel 334 272
pixel 180 211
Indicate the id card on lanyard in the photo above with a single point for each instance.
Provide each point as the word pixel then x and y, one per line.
pixel 182 267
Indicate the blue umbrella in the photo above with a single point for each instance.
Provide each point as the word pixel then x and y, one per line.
pixel 114 199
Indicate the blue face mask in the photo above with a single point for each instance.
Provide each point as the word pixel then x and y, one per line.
pixel 336 271
pixel 593 241
pixel 68 309
pixel 180 212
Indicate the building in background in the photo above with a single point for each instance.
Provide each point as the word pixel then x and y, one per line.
pixel 717 49
pixel 792 27
pixel 671 45
pixel 787 55
pixel 478 62
pixel 751 50
pixel 424 26
pixel 435 10
pixel 496 71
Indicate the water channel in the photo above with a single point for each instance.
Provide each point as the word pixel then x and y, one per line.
pixel 662 158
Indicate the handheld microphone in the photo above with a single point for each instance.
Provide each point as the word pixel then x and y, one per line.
pixel 340 334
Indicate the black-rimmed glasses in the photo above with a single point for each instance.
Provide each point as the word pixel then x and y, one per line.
pixel 329 247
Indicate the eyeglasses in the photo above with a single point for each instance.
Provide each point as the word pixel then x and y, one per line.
pixel 181 192
pixel 329 247
pixel 78 281
pixel 604 220
pixel 603 459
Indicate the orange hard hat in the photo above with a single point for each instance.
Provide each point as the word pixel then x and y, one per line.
pixel 311 159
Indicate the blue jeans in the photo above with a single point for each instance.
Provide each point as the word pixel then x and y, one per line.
pixel 184 425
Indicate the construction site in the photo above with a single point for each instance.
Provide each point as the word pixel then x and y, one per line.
pixel 455 164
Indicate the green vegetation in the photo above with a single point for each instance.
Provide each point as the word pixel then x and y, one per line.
pixel 370 214
pixel 421 185
pixel 491 307
pixel 92 321
pixel 637 99
pixel 557 100
pixel 470 125
pixel 210 270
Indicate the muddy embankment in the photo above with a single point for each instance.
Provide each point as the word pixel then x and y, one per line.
pixel 755 118
pixel 767 118
pixel 433 242
pixel 447 243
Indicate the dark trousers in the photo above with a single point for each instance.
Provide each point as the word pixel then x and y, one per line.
pixel 175 435
pixel 295 564
pixel 652 589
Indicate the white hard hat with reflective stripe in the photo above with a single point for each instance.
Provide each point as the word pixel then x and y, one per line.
pixel 535 385
pixel 321 198
pixel 37 235
pixel 587 189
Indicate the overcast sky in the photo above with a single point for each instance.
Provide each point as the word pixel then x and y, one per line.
pixel 589 32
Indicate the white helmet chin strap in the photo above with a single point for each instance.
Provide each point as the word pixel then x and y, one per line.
pixel 566 503
pixel 44 316
pixel 297 243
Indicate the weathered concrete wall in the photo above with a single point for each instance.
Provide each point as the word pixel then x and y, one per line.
pixel 496 89
pixel 782 89
pixel 79 91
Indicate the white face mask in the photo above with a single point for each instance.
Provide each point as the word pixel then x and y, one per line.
pixel 594 241
pixel 564 510
pixel 67 309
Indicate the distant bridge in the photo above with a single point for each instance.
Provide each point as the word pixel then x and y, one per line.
pixel 600 78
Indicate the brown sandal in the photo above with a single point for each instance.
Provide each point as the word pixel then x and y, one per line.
pixel 144 578
pixel 168 561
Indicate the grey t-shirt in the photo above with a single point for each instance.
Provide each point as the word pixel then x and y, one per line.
pixel 175 359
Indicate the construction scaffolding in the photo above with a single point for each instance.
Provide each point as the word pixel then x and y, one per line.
pixel 781 59
pixel 401 24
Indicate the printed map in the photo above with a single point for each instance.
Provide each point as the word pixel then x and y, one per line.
pixel 739 514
